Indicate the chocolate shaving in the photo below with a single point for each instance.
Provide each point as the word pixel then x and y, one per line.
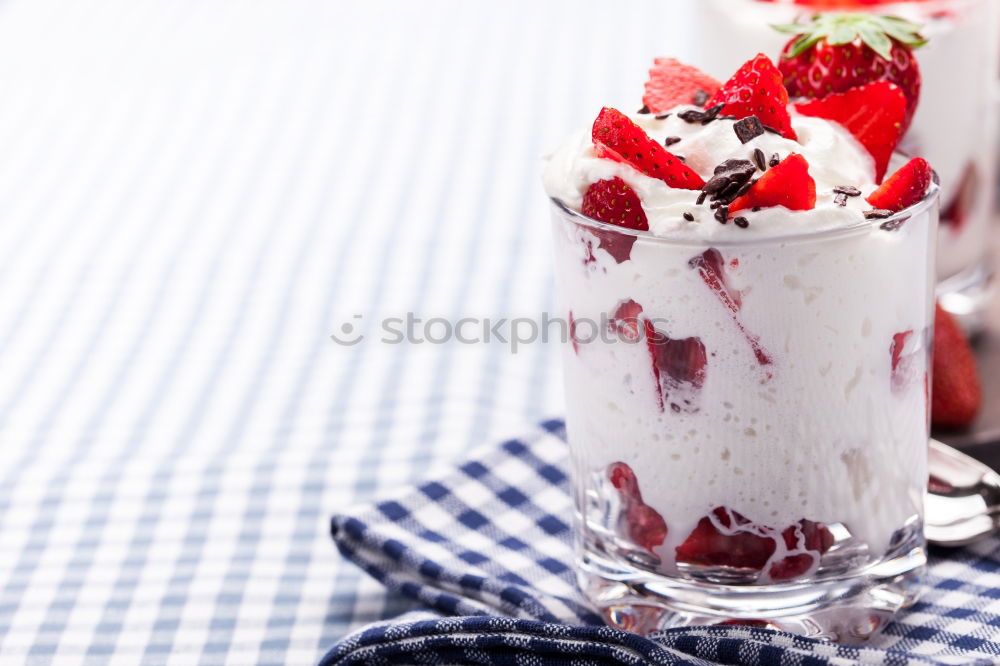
pixel 698 116
pixel 712 113
pixel 840 199
pixel 644 109
pixel 689 217
pixel 731 179
pixel 756 209
pixel 746 186
pixel 715 184
pixel 671 140
pixel 847 190
pixel 748 128
pixel 722 213
pixel 892 225
pixel 691 116
pixel 759 159
pixel 730 190
pixel 775 160
pixel 700 98
pixel 877 213
pixel 701 198
pixel 741 222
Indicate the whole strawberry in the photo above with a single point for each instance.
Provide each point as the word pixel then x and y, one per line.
pixel 836 52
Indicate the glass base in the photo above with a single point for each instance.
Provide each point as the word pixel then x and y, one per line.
pixel 966 295
pixel 846 609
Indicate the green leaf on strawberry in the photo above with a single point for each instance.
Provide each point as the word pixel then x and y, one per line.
pixel 838 29
pixel 835 53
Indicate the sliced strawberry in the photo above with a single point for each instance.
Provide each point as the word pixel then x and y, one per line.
pixel 735 545
pixel 904 188
pixel 957 211
pixel 817 536
pixel 672 83
pixel 872 113
pixel 805 535
pixel 614 202
pixel 899 362
pixel 834 52
pixel 757 90
pixel 788 184
pixel 711 267
pixel 625 320
pixel 678 368
pixel 645 526
pixel 616 137
pixel 955 390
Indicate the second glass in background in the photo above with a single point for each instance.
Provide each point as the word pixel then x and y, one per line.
pixel 955 126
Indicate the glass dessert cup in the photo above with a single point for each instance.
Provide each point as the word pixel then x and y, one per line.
pixel 959 62
pixel 748 422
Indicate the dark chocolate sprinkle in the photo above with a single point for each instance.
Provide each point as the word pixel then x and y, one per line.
pixel 701 198
pixel 877 213
pixel 715 204
pixel 748 128
pixel 662 116
pixel 760 159
pixel 722 213
pixel 689 217
pixel 671 140
pixel 644 109
pixel 741 222
pixel 739 168
pixel 756 209
pixel 847 190
pixel 729 192
pixel 698 116
pixel 700 98
pixel 892 225
pixel 691 116
pixel 840 199
pixel 775 160
pixel 715 184
pixel 711 114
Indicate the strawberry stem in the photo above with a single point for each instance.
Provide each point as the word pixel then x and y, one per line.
pixel 877 32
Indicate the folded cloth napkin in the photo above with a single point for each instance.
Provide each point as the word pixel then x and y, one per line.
pixel 487 548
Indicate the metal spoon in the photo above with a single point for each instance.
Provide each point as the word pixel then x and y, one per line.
pixel 963 499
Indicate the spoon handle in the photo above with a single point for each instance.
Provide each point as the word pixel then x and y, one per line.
pixel 963 498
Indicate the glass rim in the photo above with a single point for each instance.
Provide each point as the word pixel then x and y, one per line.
pixel 807 234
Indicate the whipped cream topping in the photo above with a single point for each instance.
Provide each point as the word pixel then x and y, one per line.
pixel 835 159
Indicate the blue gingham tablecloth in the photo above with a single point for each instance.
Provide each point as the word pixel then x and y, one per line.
pixel 488 545
pixel 194 195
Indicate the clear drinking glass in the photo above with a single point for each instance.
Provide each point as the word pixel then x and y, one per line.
pixel 955 126
pixel 748 421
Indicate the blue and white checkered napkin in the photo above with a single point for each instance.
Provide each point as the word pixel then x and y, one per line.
pixel 487 549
